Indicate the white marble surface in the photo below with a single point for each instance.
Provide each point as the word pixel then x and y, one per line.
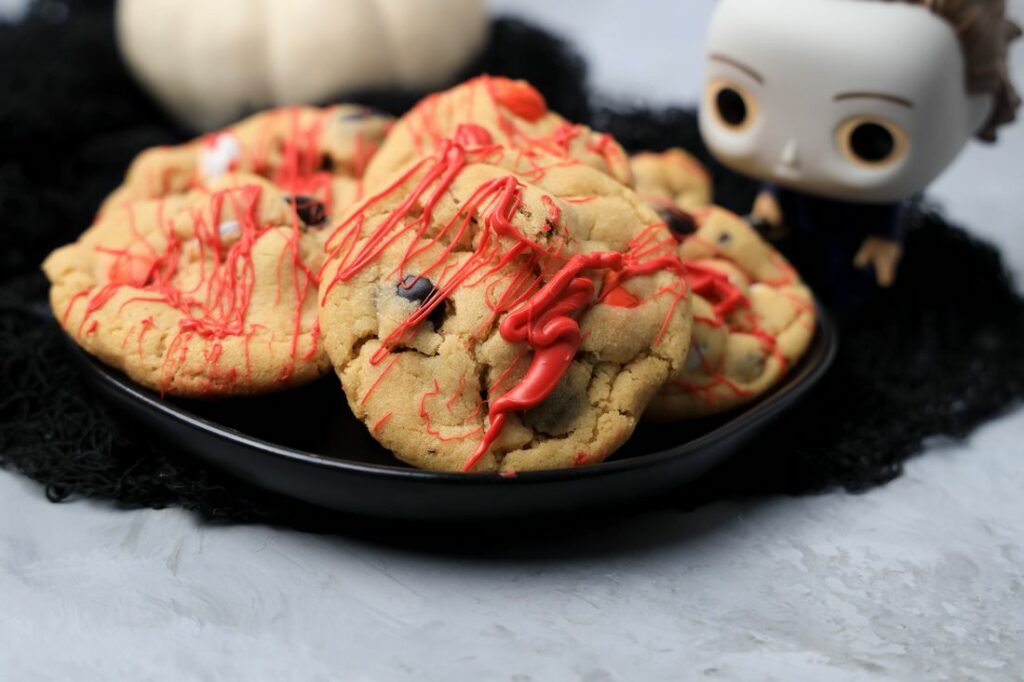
pixel 919 580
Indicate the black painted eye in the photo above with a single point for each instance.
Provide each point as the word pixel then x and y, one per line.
pixel 418 289
pixel 731 104
pixel 872 142
pixel 310 210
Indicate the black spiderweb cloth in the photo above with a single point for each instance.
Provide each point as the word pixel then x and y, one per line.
pixel 936 360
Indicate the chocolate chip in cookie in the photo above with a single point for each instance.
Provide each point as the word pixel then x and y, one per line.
pixel 418 289
pixel 310 210
pixel 678 220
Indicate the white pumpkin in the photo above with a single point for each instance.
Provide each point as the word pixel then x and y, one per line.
pixel 209 61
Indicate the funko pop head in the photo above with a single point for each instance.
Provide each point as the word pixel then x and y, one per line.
pixel 857 100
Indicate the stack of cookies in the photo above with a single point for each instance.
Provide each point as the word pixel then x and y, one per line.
pixel 497 288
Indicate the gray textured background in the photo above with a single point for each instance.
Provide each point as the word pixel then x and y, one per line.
pixel 920 580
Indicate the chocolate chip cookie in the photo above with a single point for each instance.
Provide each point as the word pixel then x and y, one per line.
pixel 480 323
pixel 753 318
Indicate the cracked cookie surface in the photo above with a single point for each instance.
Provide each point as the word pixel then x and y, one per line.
pixel 479 322
pixel 203 294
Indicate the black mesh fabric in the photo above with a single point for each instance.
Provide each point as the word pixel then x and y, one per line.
pixel 939 356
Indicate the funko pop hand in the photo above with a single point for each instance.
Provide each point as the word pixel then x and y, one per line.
pixel 883 255
pixel 766 216
pixel 846 110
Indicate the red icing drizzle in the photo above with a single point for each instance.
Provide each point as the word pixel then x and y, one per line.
pixel 545 322
pixel 380 422
pixel 716 288
pixel 733 310
pixel 513 100
pixel 541 297
pixel 425 416
pixel 300 167
pixel 299 170
pixel 606 147
pixel 216 307
pixel 554 211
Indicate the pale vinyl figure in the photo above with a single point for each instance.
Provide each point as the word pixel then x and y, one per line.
pixel 846 109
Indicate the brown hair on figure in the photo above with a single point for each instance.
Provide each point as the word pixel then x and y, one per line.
pixel 985 34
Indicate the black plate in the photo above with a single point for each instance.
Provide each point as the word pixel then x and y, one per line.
pixel 306 444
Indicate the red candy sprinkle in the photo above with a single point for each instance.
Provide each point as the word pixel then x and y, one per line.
pixel 522 99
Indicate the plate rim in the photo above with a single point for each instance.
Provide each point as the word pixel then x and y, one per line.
pixel 826 333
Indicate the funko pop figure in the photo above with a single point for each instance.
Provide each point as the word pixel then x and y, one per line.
pixel 845 109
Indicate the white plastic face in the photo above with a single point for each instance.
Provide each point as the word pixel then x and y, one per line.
pixel 848 99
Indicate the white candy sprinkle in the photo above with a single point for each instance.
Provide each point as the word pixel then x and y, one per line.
pixel 219 156
pixel 228 230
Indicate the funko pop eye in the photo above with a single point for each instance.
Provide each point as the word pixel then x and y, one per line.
pixel 872 142
pixel 732 104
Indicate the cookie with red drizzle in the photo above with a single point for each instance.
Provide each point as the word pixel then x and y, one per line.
pixel 515 116
pixel 753 319
pixel 320 153
pixel 480 323
pixel 205 294
pixel 608 209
